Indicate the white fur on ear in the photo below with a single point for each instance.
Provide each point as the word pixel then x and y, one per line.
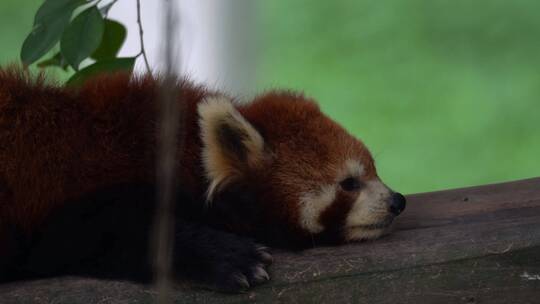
pixel 230 143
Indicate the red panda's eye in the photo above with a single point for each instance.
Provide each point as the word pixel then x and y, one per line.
pixel 351 184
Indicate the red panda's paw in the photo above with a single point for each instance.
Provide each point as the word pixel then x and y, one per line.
pixel 220 260
pixel 238 267
pixel 242 270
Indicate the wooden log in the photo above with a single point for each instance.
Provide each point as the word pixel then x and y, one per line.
pixel 471 245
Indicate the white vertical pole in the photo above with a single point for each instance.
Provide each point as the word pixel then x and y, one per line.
pixel 217 40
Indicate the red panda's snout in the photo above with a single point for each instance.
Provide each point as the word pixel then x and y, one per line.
pixel 350 209
pixel 309 178
pixel 373 211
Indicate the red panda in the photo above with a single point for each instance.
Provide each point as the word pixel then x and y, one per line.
pixel 77 174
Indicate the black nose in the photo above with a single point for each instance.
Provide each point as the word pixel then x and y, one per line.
pixel 397 205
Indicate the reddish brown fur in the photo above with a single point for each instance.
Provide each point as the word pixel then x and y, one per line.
pixel 60 143
pixel 308 150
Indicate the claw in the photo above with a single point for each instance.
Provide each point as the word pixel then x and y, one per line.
pixel 264 255
pixel 241 280
pixel 260 274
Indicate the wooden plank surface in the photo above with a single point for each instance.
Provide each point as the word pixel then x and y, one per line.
pixel 471 245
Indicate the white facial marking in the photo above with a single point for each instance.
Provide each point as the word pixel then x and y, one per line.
pixel 369 208
pixel 363 234
pixel 354 168
pixel 312 204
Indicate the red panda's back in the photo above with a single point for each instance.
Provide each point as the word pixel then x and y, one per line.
pixel 59 143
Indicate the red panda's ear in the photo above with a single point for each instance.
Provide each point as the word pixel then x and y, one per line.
pixel 231 145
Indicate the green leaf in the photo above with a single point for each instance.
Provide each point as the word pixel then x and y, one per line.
pixel 57 60
pixel 82 37
pixel 113 39
pixel 106 66
pixel 51 9
pixel 50 21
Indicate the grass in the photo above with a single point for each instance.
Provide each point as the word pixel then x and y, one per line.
pixel 445 93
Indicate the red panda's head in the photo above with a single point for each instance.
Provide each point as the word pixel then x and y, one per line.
pixel 289 174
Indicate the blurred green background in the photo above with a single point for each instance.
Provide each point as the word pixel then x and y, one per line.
pixel 15 23
pixel 445 93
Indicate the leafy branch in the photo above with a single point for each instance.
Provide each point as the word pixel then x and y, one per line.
pixel 88 40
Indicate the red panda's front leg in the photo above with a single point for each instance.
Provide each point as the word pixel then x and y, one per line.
pixel 107 235
pixel 218 259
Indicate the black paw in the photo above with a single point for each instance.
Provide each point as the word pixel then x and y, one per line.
pixel 240 268
pixel 221 260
